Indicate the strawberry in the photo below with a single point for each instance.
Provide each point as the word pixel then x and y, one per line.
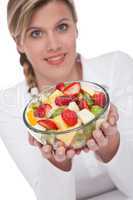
pixel 72 89
pixel 60 86
pixel 42 110
pixel 99 99
pixel 47 123
pixel 83 104
pixel 69 117
pixel 63 100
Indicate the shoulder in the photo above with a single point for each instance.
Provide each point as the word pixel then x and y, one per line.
pixel 108 59
pixel 13 99
pixel 106 66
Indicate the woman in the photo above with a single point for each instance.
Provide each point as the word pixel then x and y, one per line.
pixel 45 33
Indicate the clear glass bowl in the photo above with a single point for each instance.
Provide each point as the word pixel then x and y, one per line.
pixel 72 138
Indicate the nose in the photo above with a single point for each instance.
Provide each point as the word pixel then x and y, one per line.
pixel 53 43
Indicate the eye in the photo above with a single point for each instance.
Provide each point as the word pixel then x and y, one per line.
pixel 62 27
pixel 36 34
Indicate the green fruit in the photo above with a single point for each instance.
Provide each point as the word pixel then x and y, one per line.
pixel 57 112
pixel 96 110
pixel 79 141
pixel 33 106
pixel 87 97
pixel 89 128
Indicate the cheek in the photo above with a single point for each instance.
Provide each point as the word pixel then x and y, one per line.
pixel 72 48
pixel 70 43
pixel 33 52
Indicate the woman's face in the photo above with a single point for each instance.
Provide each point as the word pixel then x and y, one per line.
pixel 50 42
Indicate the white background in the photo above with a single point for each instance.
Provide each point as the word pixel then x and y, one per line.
pixel 104 26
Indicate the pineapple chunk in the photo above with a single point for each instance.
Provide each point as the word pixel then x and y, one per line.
pixel 60 123
pixel 73 106
pixel 52 97
pixel 88 90
pixel 67 138
pixel 85 116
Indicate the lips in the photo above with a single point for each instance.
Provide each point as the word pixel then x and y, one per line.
pixel 56 59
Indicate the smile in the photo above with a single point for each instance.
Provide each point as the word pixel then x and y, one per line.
pixel 56 60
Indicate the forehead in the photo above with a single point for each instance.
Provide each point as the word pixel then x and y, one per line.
pixel 51 13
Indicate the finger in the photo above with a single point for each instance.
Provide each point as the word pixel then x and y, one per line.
pixel 112 120
pixel 92 145
pixel 60 154
pixel 108 130
pixel 113 108
pixel 46 151
pixel 31 139
pixel 37 144
pixel 99 137
pixel 70 153
pixel 113 111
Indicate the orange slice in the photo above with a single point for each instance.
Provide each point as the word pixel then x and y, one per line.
pixel 32 120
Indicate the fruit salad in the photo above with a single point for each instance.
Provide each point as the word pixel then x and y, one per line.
pixel 67 112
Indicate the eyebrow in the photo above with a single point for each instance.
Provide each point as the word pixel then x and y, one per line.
pixel 37 27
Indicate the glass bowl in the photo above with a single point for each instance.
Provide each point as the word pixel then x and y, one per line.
pixel 75 136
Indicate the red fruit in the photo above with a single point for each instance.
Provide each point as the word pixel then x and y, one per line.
pixel 42 110
pixel 69 117
pixel 99 99
pixel 60 86
pixel 47 123
pixel 83 104
pixel 72 89
pixel 47 108
pixel 63 100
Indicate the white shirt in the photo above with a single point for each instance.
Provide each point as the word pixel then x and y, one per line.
pixel 88 177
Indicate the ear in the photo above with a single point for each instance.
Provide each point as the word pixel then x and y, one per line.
pixel 19 45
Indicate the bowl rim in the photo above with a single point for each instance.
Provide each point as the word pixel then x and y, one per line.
pixel 48 132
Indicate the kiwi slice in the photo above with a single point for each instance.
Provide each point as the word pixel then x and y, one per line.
pixel 57 112
pixel 96 110
pixel 89 100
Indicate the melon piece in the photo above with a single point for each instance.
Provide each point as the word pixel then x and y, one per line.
pixel 73 106
pixel 85 116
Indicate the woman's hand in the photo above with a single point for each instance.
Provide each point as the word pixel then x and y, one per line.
pixel 105 141
pixel 60 157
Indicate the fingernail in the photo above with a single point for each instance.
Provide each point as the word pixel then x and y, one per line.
pixel 112 120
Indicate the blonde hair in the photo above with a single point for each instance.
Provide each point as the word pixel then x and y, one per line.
pixel 19 13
